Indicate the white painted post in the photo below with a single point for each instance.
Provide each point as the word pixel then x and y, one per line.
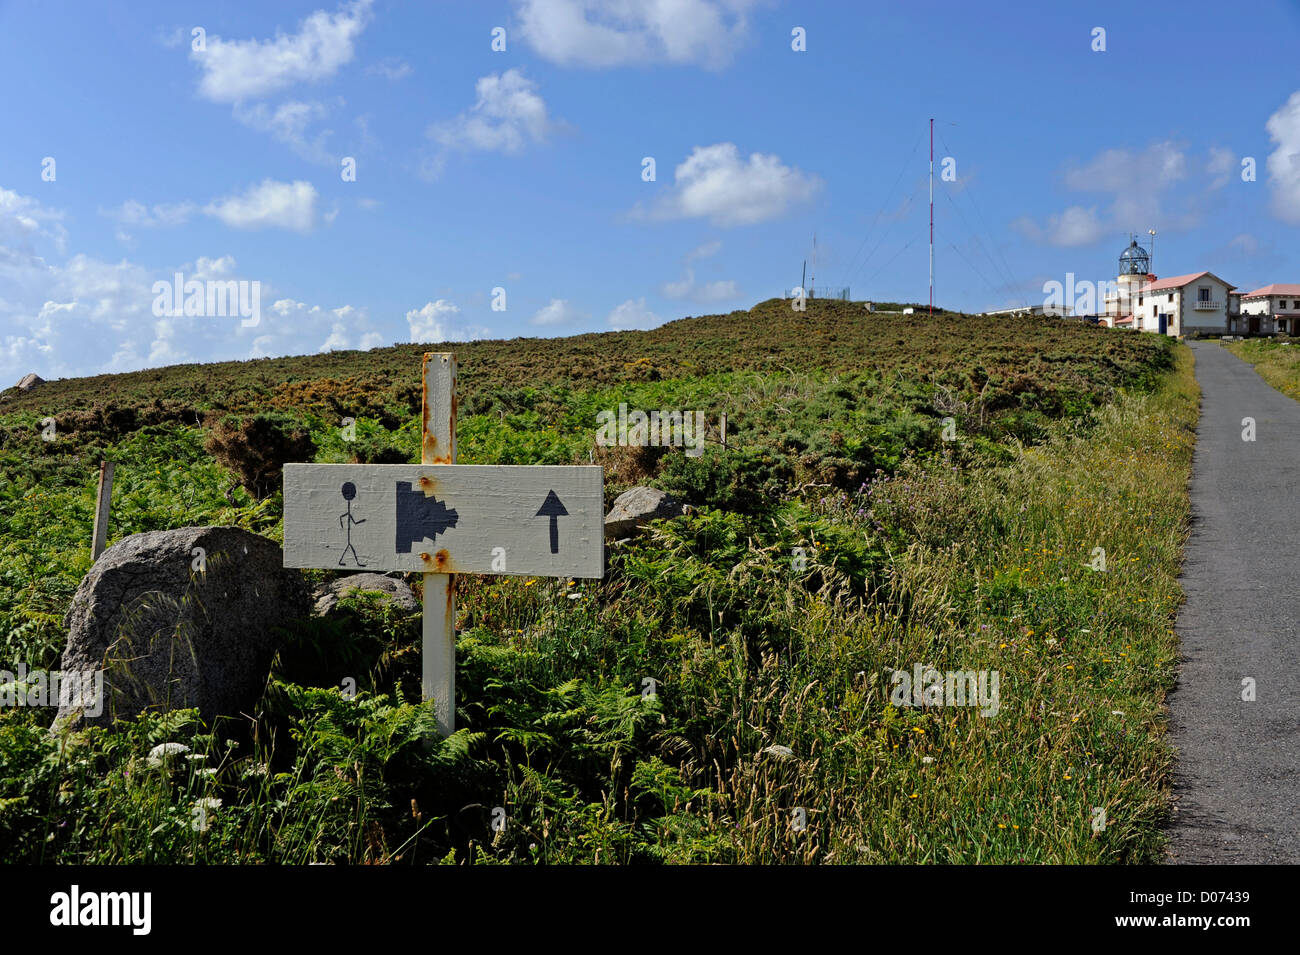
pixel 103 500
pixel 722 426
pixel 438 446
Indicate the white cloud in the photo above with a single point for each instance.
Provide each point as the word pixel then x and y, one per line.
pixel 605 33
pixel 86 316
pixel 390 68
pixel 679 289
pixel 1075 226
pixel 557 312
pixel 1122 170
pixel 135 213
pixel 22 217
pixel 426 323
pixel 338 340
pixel 164 350
pixel 1284 162
pixel 719 291
pixel 270 204
pixel 287 306
pixel 173 38
pixel 704 294
pixel 1137 183
pixel 633 314
pixel 1220 165
pixel 205 268
pixel 236 71
pixel 705 251
pixel 507 115
pixel 288 124
pixel 1246 242
pixel 716 183
pixel 430 324
pixel 301 323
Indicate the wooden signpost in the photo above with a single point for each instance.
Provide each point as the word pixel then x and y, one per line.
pixel 103 503
pixel 445 518
pixel 442 519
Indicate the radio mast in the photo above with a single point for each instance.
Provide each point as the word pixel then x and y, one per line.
pixel 931 216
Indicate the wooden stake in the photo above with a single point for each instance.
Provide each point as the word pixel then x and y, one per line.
pixel 722 426
pixel 103 501
pixel 438 446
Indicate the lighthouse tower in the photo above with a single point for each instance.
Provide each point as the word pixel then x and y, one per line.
pixel 1134 272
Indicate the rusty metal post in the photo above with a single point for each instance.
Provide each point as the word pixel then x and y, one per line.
pixel 438 446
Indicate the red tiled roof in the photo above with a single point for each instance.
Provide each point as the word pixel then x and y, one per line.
pixel 1176 281
pixel 1274 289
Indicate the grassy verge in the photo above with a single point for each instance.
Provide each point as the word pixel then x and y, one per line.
pixel 723 695
pixel 1278 363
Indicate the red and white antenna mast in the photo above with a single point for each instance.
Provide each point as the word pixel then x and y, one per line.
pixel 932 217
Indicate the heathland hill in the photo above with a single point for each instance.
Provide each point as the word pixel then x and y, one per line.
pixel 896 493
pixel 831 337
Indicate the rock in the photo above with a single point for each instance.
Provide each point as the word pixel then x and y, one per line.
pixel 30 381
pixel 172 631
pixel 636 507
pixel 395 592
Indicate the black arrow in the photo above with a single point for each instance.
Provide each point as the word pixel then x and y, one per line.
pixel 420 516
pixel 553 508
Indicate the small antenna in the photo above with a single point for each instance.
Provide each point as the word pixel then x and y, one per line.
pixel 814 271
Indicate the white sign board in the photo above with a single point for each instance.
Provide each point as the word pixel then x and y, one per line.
pixel 446 518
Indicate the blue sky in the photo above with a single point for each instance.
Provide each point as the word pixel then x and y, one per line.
pixel 522 169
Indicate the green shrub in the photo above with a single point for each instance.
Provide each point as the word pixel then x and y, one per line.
pixel 255 448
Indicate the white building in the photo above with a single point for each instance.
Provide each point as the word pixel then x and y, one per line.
pixel 1055 311
pixel 1199 303
pixel 1271 309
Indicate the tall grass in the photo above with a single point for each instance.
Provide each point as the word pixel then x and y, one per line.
pixel 714 699
pixel 724 694
pixel 996 575
pixel 1277 362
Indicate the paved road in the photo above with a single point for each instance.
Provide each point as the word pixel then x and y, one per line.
pixel 1237 779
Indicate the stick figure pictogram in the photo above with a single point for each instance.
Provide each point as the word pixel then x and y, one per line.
pixel 349 491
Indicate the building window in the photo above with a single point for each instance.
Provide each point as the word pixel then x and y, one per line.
pixel 1203 294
